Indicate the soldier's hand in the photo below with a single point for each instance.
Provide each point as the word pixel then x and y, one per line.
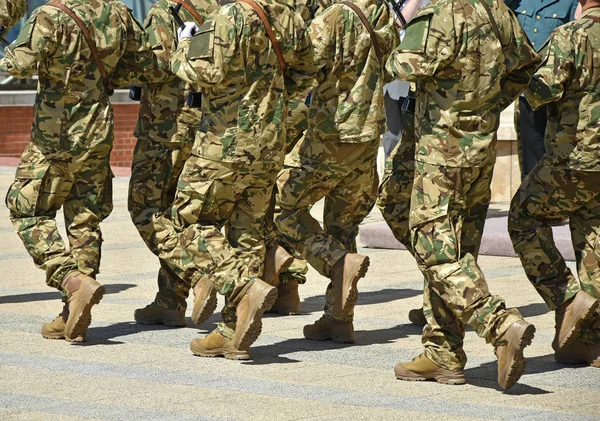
pixel 187 30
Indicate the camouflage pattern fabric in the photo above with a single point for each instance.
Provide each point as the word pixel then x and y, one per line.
pixel 566 184
pixel 11 11
pixel 230 175
pixel 67 160
pixel 336 159
pixel 465 77
pixel 165 131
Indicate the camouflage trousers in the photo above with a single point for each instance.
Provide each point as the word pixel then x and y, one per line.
pixel 210 195
pixel 345 174
pixel 76 177
pixel 551 195
pixel 155 169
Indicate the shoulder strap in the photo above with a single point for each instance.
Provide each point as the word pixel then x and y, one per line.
pixel 492 22
pixel 594 18
pixel 88 38
pixel 365 22
pixel 192 11
pixel 261 14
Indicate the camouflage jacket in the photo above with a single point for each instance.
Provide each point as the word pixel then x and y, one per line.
pixel 569 82
pixel 245 93
pixel 466 75
pixel 347 104
pixel 11 11
pixel 71 98
pixel 164 115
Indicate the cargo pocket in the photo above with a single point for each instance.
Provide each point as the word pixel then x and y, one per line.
pixel 25 193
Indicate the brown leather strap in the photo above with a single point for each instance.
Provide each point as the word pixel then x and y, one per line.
pixel 261 14
pixel 365 22
pixel 594 18
pixel 192 11
pixel 88 38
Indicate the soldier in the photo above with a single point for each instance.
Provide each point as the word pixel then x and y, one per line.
pixel 66 163
pixel 235 158
pixel 566 185
pixel 165 131
pixel 11 11
pixel 336 160
pixel 469 60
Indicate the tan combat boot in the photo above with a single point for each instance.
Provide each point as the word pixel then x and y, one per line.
pixel 216 345
pixel 344 277
pixel 83 293
pixel 56 328
pixel 509 351
pixel 205 301
pixel 570 317
pixel 422 368
pixel 328 329
pixel 417 317
pixel 579 353
pixel 258 299
pixel 288 299
pixel 155 314
pixel 277 260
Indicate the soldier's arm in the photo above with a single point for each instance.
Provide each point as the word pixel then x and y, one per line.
pixel 322 32
pixel 548 83
pixel 139 64
pixel 428 46
pixel 300 74
pixel 521 63
pixel 36 40
pixel 204 59
pixel 11 11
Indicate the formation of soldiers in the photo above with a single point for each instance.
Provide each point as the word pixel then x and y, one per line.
pixel 232 154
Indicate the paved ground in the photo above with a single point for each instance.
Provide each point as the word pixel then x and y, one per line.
pixel 131 372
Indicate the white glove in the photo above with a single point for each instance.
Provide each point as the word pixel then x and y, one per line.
pixel 187 31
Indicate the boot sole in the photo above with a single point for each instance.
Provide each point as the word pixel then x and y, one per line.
pixel 221 352
pixel 581 317
pixel 335 339
pixel 517 365
pixel 284 311
pixel 161 321
pixel 444 379
pixel 253 329
pixel 59 337
pixel 360 272
pixel 84 318
pixel 201 313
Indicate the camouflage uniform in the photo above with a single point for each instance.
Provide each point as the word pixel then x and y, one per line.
pixel 240 148
pixel 11 11
pixel 336 160
pixel 466 76
pixel 165 131
pixel 66 162
pixel 566 184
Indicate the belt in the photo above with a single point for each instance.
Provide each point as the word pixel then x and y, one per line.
pixel 407 104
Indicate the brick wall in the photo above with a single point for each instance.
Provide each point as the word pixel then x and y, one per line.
pixel 15 130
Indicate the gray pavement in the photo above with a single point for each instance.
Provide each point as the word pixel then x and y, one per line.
pixel 132 372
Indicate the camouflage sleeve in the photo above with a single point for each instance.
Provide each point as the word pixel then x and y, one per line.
pixel 521 62
pixel 204 60
pixel 161 33
pixel 11 11
pixel 322 34
pixel 303 69
pixel 389 38
pixel 139 64
pixel 38 38
pixel 428 45
pixel 548 83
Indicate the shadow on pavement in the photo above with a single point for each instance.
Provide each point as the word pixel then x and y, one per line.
pixel 274 353
pixel 45 296
pixel 317 302
pixel 534 309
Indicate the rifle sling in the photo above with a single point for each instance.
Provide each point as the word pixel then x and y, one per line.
pixel 88 39
pixel 594 18
pixel 261 14
pixel 192 11
pixel 367 25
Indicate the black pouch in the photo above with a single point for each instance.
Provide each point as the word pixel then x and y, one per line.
pixel 135 93
pixel 194 100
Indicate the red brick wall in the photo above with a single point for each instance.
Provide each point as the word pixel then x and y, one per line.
pixel 15 130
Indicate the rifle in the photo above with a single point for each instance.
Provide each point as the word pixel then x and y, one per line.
pixel 175 13
pixel 3 40
pixel 397 6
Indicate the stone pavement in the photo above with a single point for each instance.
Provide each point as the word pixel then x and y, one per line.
pixel 132 372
